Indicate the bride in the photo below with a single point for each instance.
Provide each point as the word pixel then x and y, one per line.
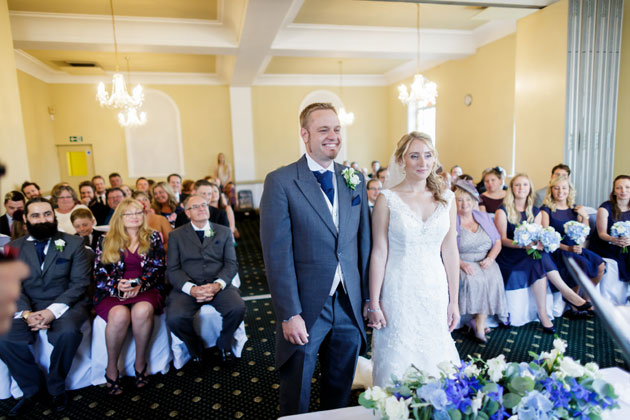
pixel 414 267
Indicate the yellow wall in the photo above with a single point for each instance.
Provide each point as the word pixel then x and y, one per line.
pixel 12 142
pixel 276 125
pixel 622 141
pixel 539 106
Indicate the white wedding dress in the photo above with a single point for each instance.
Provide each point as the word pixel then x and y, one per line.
pixel 414 294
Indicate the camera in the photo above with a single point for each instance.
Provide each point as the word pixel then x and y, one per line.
pixel 134 282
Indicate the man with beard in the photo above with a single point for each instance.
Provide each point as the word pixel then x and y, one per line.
pixel 52 299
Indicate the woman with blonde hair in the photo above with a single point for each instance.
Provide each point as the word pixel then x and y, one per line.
pixel 520 270
pixel 559 208
pixel 129 275
pixel 414 266
pixel 223 171
pixel 165 203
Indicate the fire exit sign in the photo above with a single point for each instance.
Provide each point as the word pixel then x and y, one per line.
pixel 76 139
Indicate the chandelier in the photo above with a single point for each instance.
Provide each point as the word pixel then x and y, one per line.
pixel 345 118
pixel 119 97
pixel 129 116
pixel 423 92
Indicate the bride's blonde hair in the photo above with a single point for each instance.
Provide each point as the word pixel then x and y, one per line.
pixel 435 184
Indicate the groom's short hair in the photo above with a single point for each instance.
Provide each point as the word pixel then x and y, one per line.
pixel 317 106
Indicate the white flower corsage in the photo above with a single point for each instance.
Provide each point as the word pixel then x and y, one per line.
pixel 352 178
pixel 59 244
pixel 208 233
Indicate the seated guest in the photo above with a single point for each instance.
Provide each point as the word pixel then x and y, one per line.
pixel 218 201
pixel 65 201
pixel 13 201
pixel 52 299
pixel 126 190
pixel 557 171
pixel 617 209
pixel 101 189
pixel 204 189
pixel 481 291
pixel 87 193
pixel 374 188
pixel 31 190
pixel 376 165
pixel 113 198
pixel 129 275
pixel 492 198
pixel 19 227
pixel 187 186
pixel 519 269
pixel 115 180
pixel 165 203
pixel 232 196
pixel 456 172
pixel 175 181
pixel 142 185
pixel 355 166
pixel 382 174
pixel 83 221
pixel 558 208
pixel 446 177
pixel 201 265
pixel 155 221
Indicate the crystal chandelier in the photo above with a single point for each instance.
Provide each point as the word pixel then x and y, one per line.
pixel 119 97
pixel 130 118
pixel 345 118
pixel 423 92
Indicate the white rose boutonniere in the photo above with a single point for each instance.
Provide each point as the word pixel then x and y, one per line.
pixel 208 233
pixel 352 178
pixel 60 244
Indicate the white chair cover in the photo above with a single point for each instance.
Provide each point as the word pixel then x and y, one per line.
pixel 611 287
pixel 522 306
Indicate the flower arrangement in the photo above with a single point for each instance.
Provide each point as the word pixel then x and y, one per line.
pixel 526 235
pixel 621 230
pixel 576 231
pixel 352 178
pixel 549 238
pixel 552 386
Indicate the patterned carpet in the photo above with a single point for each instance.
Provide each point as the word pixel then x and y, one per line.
pixel 249 390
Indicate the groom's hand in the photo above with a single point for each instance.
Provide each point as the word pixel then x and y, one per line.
pixel 294 331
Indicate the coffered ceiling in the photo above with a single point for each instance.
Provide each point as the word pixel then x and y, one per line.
pixel 252 42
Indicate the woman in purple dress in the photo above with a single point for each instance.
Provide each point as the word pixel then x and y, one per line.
pixel 558 208
pixel 617 209
pixel 129 274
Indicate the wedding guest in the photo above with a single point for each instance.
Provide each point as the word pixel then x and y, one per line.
pixel 165 203
pixel 142 185
pixel 12 272
pixel 187 186
pixel 83 221
pixel 382 174
pixel 446 177
pixel 19 227
pixel 558 208
pixel 223 171
pixel 129 275
pixel 155 221
pixel 204 189
pixel 13 201
pixel 616 209
pixel 31 190
pixel 456 172
pixel 126 191
pixel 230 192
pixel 87 193
pixel 376 165
pixel 101 189
pixel 481 290
pixel 218 201
pixel 115 180
pixel 65 201
pixel 175 181
pixel 557 171
pixel 114 197
pixel 492 198
pixel 374 188
pixel 355 166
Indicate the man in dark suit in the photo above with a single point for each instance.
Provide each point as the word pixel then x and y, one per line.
pixel 218 216
pixel 201 263
pixel 52 299
pixel 103 214
pixel 315 235
pixel 13 201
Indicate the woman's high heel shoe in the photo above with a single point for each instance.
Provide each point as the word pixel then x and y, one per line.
pixel 583 307
pixel 549 330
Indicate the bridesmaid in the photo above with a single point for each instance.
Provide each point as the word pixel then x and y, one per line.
pixel 558 208
pixel 617 209
pixel 492 198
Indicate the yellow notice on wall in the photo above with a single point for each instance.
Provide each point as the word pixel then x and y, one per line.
pixel 77 163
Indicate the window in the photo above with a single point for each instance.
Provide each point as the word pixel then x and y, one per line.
pixel 422 120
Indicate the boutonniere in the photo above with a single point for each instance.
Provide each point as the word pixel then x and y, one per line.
pixel 59 244
pixel 352 178
pixel 208 233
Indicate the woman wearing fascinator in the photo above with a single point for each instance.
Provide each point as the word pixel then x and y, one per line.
pixel 414 265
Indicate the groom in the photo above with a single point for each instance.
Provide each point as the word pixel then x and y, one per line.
pixel 315 234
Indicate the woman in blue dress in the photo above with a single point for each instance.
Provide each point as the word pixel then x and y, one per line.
pixel 558 208
pixel 519 269
pixel 617 209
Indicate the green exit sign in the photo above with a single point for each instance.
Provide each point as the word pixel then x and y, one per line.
pixel 76 139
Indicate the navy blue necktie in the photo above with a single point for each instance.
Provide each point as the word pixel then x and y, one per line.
pixel 39 247
pixel 326 182
pixel 200 234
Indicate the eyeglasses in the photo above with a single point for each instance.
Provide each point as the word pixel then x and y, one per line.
pixel 64 197
pixel 198 206
pixel 135 214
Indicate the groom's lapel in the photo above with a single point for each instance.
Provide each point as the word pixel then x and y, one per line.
pixel 309 186
pixel 344 197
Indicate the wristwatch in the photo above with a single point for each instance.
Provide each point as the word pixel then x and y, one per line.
pixel 25 315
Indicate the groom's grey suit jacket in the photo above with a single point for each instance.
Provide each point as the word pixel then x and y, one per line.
pixel 301 245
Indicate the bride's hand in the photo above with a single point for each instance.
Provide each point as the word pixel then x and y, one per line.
pixel 376 318
pixel 452 316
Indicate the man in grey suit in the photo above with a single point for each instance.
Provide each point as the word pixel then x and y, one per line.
pixel 53 299
pixel 315 233
pixel 201 263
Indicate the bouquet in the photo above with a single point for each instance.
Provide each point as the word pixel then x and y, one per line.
pixel 549 238
pixel 576 231
pixel 621 230
pixel 526 235
pixel 552 386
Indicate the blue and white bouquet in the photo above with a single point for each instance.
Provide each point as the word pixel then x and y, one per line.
pixel 549 238
pixel 621 230
pixel 552 386
pixel 576 231
pixel 526 236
